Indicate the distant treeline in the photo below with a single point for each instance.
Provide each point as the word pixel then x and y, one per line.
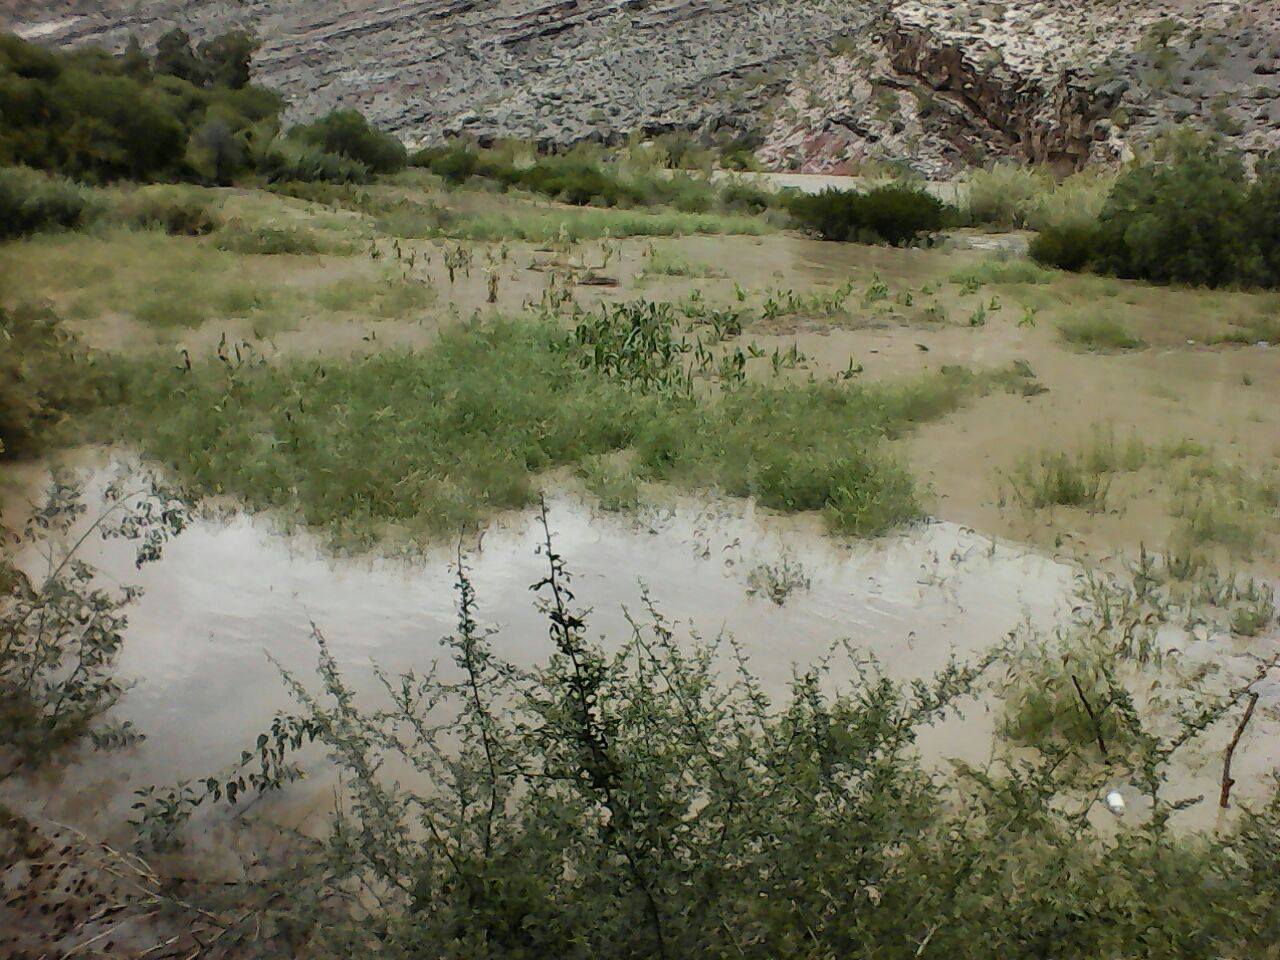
pixel 188 112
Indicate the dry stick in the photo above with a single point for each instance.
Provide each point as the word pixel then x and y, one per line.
pixel 1224 800
pixel 1093 718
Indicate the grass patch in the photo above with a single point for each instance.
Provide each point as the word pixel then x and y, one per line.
pixel 237 237
pixel 996 270
pixel 614 485
pixel 176 210
pixel 389 297
pixel 545 224
pixel 661 264
pixel 1260 329
pixel 437 439
pixel 1226 505
pixel 1098 332
pixel 413 207
pixel 1060 480
pixel 171 283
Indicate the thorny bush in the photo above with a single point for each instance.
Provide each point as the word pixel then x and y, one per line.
pixel 61 629
pixel 647 798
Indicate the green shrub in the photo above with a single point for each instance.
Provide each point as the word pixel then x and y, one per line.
pixel 741 195
pixel 1262 221
pixel 1006 194
pixel 1184 221
pixel 286 161
pixel 31 201
pixel 896 214
pixel 346 133
pixel 43 378
pixel 456 164
pixel 237 237
pixel 176 210
pixel 1190 215
pixel 645 795
pixel 1069 246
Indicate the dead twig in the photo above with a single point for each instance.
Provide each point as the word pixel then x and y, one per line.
pixel 1093 717
pixel 1224 799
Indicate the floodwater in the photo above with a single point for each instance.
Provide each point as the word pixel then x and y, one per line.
pixel 230 593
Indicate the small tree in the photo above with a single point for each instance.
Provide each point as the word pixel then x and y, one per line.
pixel 347 133
pixel 226 58
pixel 175 57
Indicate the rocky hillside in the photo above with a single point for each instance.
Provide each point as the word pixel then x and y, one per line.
pixel 828 85
pixel 943 83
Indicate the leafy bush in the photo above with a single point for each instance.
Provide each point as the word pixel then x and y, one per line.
pixel 81 115
pixel 1184 221
pixel 191 114
pixel 64 629
pixel 644 796
pixel 286 161
pixel 456 164
pixel 44 377
pixel 1069 246
pixel 741 195
pixel 31 201
pixel 1189 216
pixel 1006 193
pixel 176 210
pixel 346 133
pixel 896 214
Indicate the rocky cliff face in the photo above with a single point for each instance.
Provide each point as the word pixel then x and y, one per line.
pixel 933 84
pixel 944 83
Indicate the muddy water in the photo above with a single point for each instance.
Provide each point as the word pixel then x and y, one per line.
pixel 232 595
pixel 229 594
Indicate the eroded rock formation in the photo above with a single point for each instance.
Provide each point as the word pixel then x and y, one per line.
pixel 931 84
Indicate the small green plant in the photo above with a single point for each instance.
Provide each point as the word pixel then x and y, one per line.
pixel 666 265
pixel 1058 479
pixel 776 582
pixel 1251 619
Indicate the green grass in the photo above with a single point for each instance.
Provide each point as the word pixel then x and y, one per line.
pixel 996 270
pixel 1060 480
pixel 615 486
pixel 1260 329
pixel 414 208
pixel 661 264
pixel 171 283
pixel 437 439
pixel 237 237
pixel 544 224
pixel 1098 332
pixel 388 297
